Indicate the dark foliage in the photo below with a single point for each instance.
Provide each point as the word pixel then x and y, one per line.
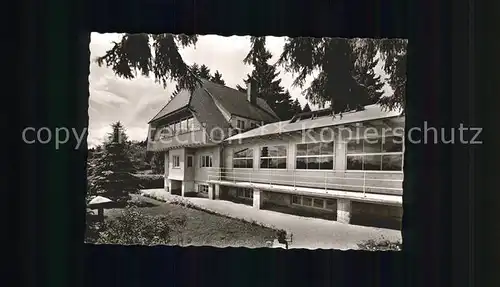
pixel 149 181
pixel 346 80
pixel 134 227
pixel 112 170
pixel 201 72
pixel 385 245
pixel 267 79
pixel 152 54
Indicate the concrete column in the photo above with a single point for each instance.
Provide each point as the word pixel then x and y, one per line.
pixel 168 185
pixel 258 198
pixel 183 189
pixel 217 191
pixel 344 210
pixel 211 194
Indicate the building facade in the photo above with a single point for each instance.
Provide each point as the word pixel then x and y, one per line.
pixel 332 166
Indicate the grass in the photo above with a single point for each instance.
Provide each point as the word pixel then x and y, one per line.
pixel 205 228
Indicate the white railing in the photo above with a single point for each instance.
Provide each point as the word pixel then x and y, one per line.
pixel 362 181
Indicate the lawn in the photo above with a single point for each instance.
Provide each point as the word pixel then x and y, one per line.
pixel 204 228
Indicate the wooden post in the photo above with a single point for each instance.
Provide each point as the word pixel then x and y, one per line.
pixel 100 214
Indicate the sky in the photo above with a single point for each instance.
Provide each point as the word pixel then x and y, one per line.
pixel 134 102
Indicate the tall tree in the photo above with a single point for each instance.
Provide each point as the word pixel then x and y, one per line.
pixel 204 72
pixel 157 162
pixel 217 78
pixel 137 153
pixel 393 53
pixel 345 78
pixel 306 108
pixel 112 175
pixel 296 108
pixel 201 72
pixel 266 77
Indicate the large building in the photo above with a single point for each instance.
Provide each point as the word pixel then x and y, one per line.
pixel 223 144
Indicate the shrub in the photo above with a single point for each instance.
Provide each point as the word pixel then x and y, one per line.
pixel 148 181
pixel 385 245
pixel 133 227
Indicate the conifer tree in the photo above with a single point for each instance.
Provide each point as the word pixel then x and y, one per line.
pixel 268 84
pixel 217 78
pixel 112 175
pixel 345 78
pixel 306 108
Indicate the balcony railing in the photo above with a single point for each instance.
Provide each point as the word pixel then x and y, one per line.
pixel 359 181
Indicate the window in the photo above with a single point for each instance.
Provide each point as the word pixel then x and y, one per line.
pixel 243 158
pixel 184 127
pixel 315 156
pixel 240 124
pixel 273 157
pixel 165 133
pixel 177 127
pixel 190 124
pixel 318 203
pixel 206 161
pixel 384 154
pixel 189 161
pixel 176 161
pixel 152 135
pixel 244 193
pixel 202 188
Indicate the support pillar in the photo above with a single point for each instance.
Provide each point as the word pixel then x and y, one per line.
pixel 217 191
pixel 344 207
pixel 211 193
pixel 166 184
pixel 258 198
pixel 183 189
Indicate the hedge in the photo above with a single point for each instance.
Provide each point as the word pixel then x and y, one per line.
pixel 148 181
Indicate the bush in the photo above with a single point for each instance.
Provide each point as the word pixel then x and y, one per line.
pixel 148 181
pixel 133 227
pixel 385 245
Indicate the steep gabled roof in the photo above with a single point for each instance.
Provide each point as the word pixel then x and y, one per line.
pixel 181 100
pixel 205 110
pixel 233 101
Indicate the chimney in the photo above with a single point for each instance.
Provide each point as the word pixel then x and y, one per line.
pixel 252 91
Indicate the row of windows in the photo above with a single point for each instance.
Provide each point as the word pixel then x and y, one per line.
pixel 375 145
pixel 179 127
pixel 240 124
pixel 244 193
pixel 313 202
pixel 205 161
pixel 364 154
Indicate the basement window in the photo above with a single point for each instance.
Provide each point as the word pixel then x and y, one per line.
pixel 203 188
pixel 246 193
pixel 313 202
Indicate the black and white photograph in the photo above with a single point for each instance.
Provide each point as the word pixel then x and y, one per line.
pixel 244 141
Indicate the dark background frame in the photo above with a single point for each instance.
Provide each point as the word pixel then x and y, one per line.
pixel 440 180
